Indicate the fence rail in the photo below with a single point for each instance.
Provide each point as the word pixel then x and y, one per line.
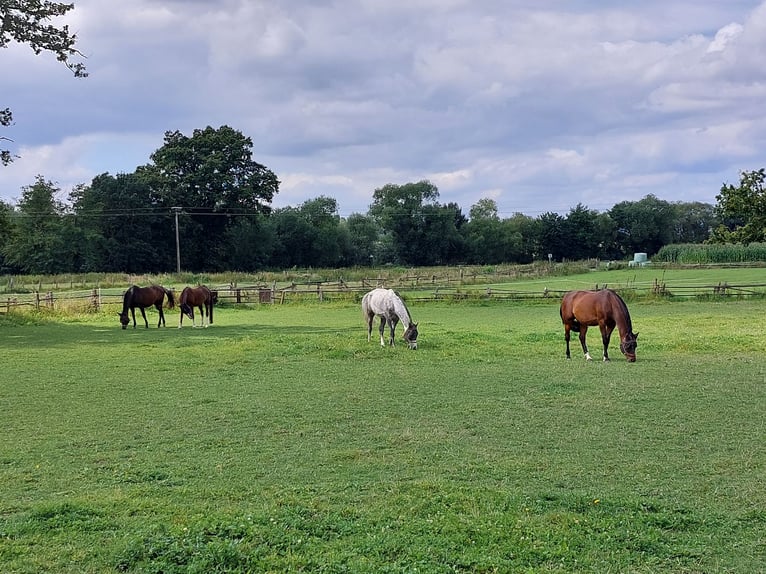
pixel 416 288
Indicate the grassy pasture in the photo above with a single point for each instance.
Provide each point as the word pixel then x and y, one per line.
pixel 281 440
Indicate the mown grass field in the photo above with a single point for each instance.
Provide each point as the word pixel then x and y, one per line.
pixel 280 440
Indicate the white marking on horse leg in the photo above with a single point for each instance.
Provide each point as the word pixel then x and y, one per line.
pixel 588 357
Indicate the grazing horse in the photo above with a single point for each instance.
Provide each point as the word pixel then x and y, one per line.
pixel 201 297
pixel 143 297
pixel 386 304
pixel 605 308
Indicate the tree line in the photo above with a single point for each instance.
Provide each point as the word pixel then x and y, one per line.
pixel 204 203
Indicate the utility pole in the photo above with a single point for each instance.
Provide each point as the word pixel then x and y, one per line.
pixel 177 210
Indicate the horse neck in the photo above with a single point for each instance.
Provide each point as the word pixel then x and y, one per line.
pixel 402 312
pixel 622 318
pixel 127 299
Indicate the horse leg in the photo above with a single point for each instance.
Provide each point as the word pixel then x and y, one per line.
pixel 143 314
pixel 205 315
pixel 161 320
pixel 583 332
pixel 392 324
pixel 368 319
pixel 606 334
pixel 566 338
pixel 381 329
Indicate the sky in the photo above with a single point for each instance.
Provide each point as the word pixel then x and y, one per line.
pixel 538 105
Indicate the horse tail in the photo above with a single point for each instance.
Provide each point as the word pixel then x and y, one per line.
pixel 365 304
pixel 171 298
pixel 210 318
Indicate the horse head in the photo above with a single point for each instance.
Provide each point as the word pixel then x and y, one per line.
pixel 411 336
pixel 214 297
pixel 628 346
pixel 187 310
pixel 124 320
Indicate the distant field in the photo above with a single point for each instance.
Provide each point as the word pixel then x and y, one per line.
pixel 645 277
pixel 280 440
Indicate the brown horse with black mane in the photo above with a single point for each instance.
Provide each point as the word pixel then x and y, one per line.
pixel 143 297
pixel 605 308
pixel 202 297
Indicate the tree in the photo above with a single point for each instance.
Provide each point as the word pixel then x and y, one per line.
pixel 488 239
pixel 212 177
pixel 251 241
pixel 121 230
pixel 36 245
pixel 27 22
pixel 695 222
pixel 588 233
pixel 6 232
pixel 553 238
pixel 364 236
pixel 743 208
pixel 398 209
pixel 643 226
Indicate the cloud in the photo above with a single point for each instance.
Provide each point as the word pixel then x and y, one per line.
pixel 538 106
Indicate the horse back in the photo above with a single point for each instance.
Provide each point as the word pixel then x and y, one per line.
pixel 587 307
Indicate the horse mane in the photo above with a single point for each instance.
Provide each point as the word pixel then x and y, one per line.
pixel 126 298
pixel 624 308
pixel 400 308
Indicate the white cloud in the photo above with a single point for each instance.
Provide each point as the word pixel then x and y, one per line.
pixel 591 103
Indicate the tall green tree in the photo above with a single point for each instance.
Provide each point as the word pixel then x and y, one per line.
pixel 553 236
pixel 6 232
pixel 252 242
pixel 122 230
pixel 212 177
pixel 399 210
pixel 643 226
pixel 694 222
pixel 588 233
pixel 490 240
pixel 29 22
pixel 364 237
pixel 37 243
pixel 743 208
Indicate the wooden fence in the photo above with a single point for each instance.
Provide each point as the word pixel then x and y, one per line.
pixel 415 289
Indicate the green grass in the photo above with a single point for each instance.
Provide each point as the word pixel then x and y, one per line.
pixel 280 440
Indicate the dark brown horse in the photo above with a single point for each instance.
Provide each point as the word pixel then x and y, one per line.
pixel 143 297
pixel 201 297
pixel 605 308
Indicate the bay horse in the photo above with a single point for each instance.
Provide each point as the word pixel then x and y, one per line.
pixel 605 308
pixel 388 305
pixel 201 297
pixel 143 297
